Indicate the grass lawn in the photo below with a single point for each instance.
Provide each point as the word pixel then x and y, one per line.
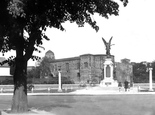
pixel 90 105
pixel 96 105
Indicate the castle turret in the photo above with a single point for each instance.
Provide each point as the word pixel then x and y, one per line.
pixel 50 54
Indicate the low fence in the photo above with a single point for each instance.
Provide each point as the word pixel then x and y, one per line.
pixel 69 86
pixel 144 85
pixel 38 86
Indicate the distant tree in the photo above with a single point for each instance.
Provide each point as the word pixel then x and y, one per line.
pixel 45 67
pixel 124 71
pixel 140 74
pixel 153 71
pixel 33 73
pixel 33 17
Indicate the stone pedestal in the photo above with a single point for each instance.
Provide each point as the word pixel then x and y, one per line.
pixel 108 74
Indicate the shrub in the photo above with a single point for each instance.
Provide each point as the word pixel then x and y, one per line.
pixel 7 82
pixel 52 80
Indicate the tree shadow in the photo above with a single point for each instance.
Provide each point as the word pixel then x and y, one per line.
pixel 53 106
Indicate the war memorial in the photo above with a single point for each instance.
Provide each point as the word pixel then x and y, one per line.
pixel 108 67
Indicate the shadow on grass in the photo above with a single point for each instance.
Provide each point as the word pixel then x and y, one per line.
pixel 50 107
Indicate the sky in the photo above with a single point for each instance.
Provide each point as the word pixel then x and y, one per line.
pixel 132 32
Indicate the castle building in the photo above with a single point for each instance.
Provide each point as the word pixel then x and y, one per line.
pixel 4 71
pixel 80 69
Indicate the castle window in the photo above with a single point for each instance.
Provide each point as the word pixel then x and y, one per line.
pixel 59 68
pixel 55 67
pixel 67 67
pixel 86 64
pixel 78 65
pixel 52 68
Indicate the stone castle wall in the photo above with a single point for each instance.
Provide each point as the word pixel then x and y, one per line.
pixel 80 69
pixel 88 67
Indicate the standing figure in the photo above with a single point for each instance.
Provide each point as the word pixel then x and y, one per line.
pixel 119 86
pixel 108 46
pixel 126 83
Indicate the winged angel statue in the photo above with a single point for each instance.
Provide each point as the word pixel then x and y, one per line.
pixel 108 46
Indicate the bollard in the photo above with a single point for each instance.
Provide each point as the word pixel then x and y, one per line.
pixel 66 89
pixel 1 90
pixel 32 90
pixel 48 89
pixel 138 88
pixel 119 89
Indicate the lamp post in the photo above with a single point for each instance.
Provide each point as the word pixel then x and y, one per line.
pixel 60 84
pixel 150 76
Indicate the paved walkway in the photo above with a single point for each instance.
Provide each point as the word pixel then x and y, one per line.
pixel 108 91
pixel 93 91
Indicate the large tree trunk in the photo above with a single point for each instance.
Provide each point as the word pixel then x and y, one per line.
pixel 19 101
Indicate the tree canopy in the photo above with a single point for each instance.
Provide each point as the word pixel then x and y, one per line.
pixel 21 16
pixel 33 17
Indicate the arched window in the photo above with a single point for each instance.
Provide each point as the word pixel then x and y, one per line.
pixel 85 64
